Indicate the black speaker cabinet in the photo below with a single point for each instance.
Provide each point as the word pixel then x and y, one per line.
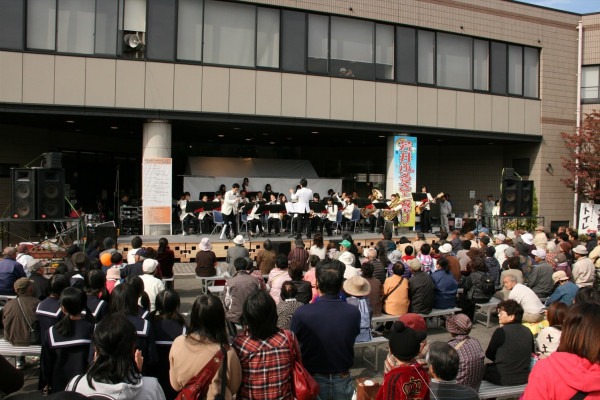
pixel 50 193
pixel 100 233
pixel 509 204
pixel 526 199
pixel 22 193
pixel 282 247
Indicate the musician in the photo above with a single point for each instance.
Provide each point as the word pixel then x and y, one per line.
pixel 246 185
pixel 285 217
pixel 395 205
pixel 331 218
pixel 243 198
pixel 303 196
pixel 375 213
pixel 268 192
pixel 425 214
pixel 316 222
pixel 254 219
pixel 205 217
pixel 349 206
pixel 445 211
pixel 229 208
pixel 186 217
pixel 274 218
pixel 219 197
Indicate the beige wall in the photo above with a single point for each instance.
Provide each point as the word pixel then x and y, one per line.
pixel 591 39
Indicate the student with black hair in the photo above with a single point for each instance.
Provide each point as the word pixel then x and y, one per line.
pixel 443 363
pixel 94 286
pixel 115 371
pixel 49 311
pixel 444 286
pixel 144 301
pixel 168 324
pixel 66 347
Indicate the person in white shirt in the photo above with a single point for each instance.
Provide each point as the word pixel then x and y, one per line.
pixel 23 257
pixel 229 208
pixel 152 285
pixel 583 269
pixel 254 220
pixel 500 247
pixel 347 211
pixel 303 195
pixel 332 211
pixel 187 218
pixel 532 306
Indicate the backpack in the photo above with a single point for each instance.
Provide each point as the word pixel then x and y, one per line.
pixel 487 286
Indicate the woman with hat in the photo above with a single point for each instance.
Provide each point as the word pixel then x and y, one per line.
pixel 357 288
pixel 561 263
pixel 583 269
pixel 564 289
pixel 471 355
pixel 205 259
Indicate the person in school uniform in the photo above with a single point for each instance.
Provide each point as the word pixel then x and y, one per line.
pixel 94 285
pixel 48 311
pixel 66 347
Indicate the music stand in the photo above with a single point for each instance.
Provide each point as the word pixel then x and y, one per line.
pixel 199 206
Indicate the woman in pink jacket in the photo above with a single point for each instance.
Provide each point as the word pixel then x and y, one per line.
pixel 574 368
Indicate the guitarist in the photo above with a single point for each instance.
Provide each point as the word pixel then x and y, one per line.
pixel 426 209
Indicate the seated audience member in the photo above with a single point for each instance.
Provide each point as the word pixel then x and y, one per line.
pixel 445 286
pixel 532 306
pixel 93 249
pixel 587 295
pixel 168 324
pixel 395 292
pixel 97 299
pixel 191 352
pixel 23 257
pixel 48 310
pixel 142 297
pixel 405 344
pixel 376 289
pixel 310 275
pixel 560 263
pixel 136 244
pixel 420 289
pixel 547 339
pixel 453 264
pixel 237 289
pixel 385 246
pixel 573 371
pixel 492 264
pixel 416 245
pixel 299 255
pixel 564 289
pixel 357 288
pixel 152 285
pixel 289 304
pixel 513 268
pixel 379 270
pixel 304 295
pixel 477 288
pixel 18 315
pixel 540 278
pixel 66 347
pixel 583 268
pixel 427 262
pixel 470 353
pixel 408 254
pixel 40 282
pixel 113 278
pixel 205 259
pixel 137 267
pixel 117 364
pixel 10 271
pixel 266 352
pixel 277 276
pixel 265 258
pixel 510 347
pixel 444 362
pixel 416 322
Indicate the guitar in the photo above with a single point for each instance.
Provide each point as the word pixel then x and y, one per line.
pixel 421 206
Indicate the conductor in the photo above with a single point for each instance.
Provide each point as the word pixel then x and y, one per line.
pixel 229 209
pixel 303 195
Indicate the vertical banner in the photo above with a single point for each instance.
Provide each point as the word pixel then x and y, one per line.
pixel 156 192
pixel 589 218
pixel 405 176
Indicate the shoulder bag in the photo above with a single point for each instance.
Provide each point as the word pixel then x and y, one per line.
pixel 388 295
pixel 303 384
pixel 34 332
pixel 197 386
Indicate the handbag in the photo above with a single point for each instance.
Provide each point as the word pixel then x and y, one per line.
pixel 197 386
pixel 304 385
pixel 34 331
pixel 366 392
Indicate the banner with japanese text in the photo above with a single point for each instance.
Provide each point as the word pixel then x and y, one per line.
pixel 589 218
pixel 405 176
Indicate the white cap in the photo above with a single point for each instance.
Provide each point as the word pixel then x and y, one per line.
pixel 149 266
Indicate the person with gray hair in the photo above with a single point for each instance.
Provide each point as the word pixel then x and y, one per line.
pixel 533 309
pixel 36 274
pixel 443 363
pixel 379 270
pixel 10 271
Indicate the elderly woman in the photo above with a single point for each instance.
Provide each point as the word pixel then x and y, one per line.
pixel 444 286
pixel 205 259
pixel 395 292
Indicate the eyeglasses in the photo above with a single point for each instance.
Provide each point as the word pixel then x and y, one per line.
pixel 500 311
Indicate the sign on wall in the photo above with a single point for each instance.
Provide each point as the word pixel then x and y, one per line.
pixel 405 176
pixel 589 218
pixel 156 191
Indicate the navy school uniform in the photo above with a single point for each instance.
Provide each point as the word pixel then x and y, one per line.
pixel 143 313
pixel 98 307
pixel 64 357
pixel 145 341
pixel 165 332
pixel 48 313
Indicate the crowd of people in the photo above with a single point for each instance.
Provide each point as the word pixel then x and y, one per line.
pixel 111 326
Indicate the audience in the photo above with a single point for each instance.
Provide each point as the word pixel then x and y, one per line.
pixel 265 258
pixel 583 268
pixel 533 309
pixel 166 260
pixel 357 288
pixel 420 288
pixel 152 285
pixel 206 260
pixel 310 275
pixel 94 286
pixel 10 271
pixel 547 339
pixel 445 286
pixel 564 289
pixel 376 289
pixel 277 276
pixel 540 279
pixel 395 292
pixel 237 289
pixel 304 295
pixel 285 309
pixel 470 353
pixel 40 282
pixel 443 363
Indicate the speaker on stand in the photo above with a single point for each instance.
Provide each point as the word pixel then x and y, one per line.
pixel 50 193
pixel 23 204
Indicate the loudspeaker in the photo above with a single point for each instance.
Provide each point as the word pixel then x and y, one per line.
pixel 282 248
pixel 526 199
pixel 52 160
pixel 100 233
pixel 50 193
pixel 22 193
pixel 509 204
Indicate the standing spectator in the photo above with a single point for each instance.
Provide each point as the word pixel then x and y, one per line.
pixel 237 289
pixel 548 338
pixel 264 351
pixel 10 271
pixel 304 295
pixel 40 282
pixel 205 259
pixel 540 279
pixel 492 265
pixel 470 353
pixel 533 309
pixel 265 258
pixel 152 285
pixel 288 306
pixel 94 286
pixel 318 248
pixel 23 257
pixel 235 252
pixel 18 317
pixel 327 330
pixel 277 276
pixel 573 370
pixel 421 290
pixel 299 255
pixel 395 292
pixel 591 244
pixel 376 289
pixel 443 367
pixel 565 290
pixel 310 276
pixel 166 261
pixel 357 288
pixel 583 269
pixel 510 347
pixel 445 286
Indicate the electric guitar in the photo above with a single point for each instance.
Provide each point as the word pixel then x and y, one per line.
pixel 421 206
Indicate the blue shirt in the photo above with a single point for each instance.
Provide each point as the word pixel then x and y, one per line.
pixel 10 271
pixel 327 330
pixel 445 287
pixel 563 293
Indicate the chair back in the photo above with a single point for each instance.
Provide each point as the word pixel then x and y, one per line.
pixel 356 214
pixel 218 217
pixel 244 218
pixel 339 217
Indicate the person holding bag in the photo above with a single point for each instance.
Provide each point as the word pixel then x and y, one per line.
pixel 192 356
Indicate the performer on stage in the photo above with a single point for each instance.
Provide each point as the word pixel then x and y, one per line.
pixel 445 211
pixel 254 219
pixel 332 210
pixel 274 218
pixel 286 219
pixel 303 195
pixel 229 210
pixel 425 214
pixel 205 217
pixel 316 220
pixel 186 217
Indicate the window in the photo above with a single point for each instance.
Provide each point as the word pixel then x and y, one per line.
pixel 515 70
pixel 454 61
pixel 384 51
pixel 352 48
pixel 161 30
pixel 318 43
pixel 590 80
pixel 189 30
pixel 530 71
pixel 267 38
pixel 406 66
pixel 293 39
pixel 481 65
pixel 76 26
pixel 229 33
pixel 11 24
pixel 426 57
pixel 498 68
pixel 106 26
pixel 41 24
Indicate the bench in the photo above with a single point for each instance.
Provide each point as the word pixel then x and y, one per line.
pixel 208 283
pixel 374 343
pixel 488 390
pixel 487 309
pixel 382 319
pixel 8 350
pixel 437 313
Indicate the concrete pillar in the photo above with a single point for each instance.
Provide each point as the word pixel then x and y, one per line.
pixel 156 143
pixel 389 176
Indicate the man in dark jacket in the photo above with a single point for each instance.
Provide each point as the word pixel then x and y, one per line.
pixel 540 279
pixel 10 271
pixel 237 289
pixel 379 270
pixel 420 289
pixel 40 283
pixel 137 267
